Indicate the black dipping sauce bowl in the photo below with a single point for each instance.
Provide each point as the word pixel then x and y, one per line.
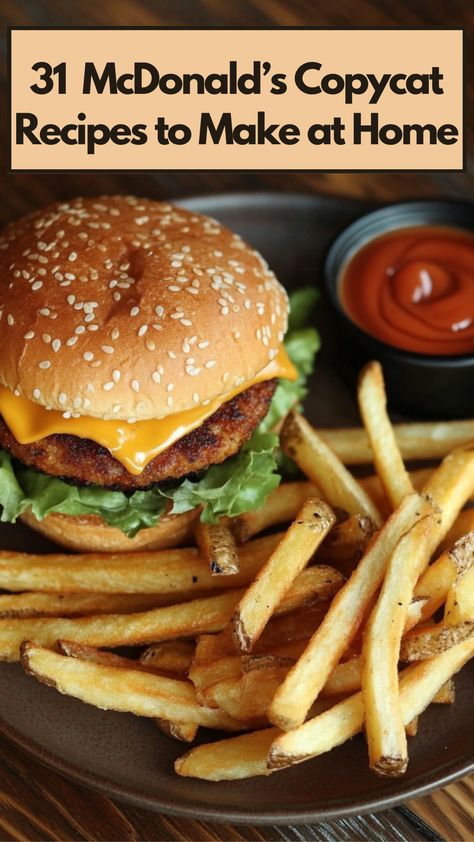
pixel 417 384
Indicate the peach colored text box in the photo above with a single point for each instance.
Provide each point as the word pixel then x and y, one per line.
pixel 341 54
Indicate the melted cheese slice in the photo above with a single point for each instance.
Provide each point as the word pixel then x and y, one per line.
pixel 133 445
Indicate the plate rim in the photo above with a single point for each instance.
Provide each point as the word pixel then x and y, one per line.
pixel 222 813
pixel 136 798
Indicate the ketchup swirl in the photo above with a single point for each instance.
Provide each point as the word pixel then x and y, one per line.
pixel 414 289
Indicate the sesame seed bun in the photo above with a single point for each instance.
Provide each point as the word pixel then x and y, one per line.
pixel 90 533
pixel 127 308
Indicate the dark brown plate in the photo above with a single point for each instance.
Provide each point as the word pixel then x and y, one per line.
pixel 127 757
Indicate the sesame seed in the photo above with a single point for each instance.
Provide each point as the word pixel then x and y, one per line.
pixel 108 386
pixel 44 364
pixel 62 398
pixel 36 394
pixel 29 335
pixel 142 330
pixel 10 320
pixel 89 317
pixel 172 355
pixel 45 311
pixel 46 337
pixel 159 310
pixel 77 402
pixel 174 288
pixel 134 311
pixel 72 341
pixel 141 220
pixel 88 356
pixel 72 256
pixel 56 345
pixel 210 364
pixel 169 400
pixel 156 377
pixel 115 333
pixel 195 397
pixel 150 344
pixel 79 329
pixel 69 276
pixel 107 349
pixel 117 296
pixel 71 299
pixel 203 344
pixel 135 385
pixel 170 387
pixel 116 375
pixel 186 322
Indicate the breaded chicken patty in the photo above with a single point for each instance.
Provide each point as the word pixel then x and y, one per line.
pixel 84 462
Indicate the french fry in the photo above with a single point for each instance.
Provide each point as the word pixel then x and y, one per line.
pixel 463 524
pixel 374 487
pixel 446 694
pixel 201 616
pixel 437 580
pixel 418 685
pixel 431 640
pixel 276 576
pixel 206 675
pixel 249 695
pixel 384 726
pixel 460 600
pixel 411 729
pixel 37 604
pixel 184 731
pixel 421 440
pixel 346 543
pixel 129 690
pixel 341 623
pixel 450 486
pixel 321 465
pixel 173 656
pixel 163 571
pixel 228 760
pixel 281 506
pixel 217 546
pixel 387 457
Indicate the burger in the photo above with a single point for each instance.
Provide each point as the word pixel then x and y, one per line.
pixel 143 372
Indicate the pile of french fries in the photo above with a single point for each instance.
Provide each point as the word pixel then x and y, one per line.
pixel 355 618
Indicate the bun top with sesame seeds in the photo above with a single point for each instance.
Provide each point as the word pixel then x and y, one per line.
pixel 126 308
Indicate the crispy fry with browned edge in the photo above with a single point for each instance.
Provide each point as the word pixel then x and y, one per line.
pixel 135 691
pixel 281 506
pixel 441 575
pixel 446 694
pixel 38 604
pixel 261 752
pixel 420 440
pixel 217 545
pixel 419 683
pixel 201 616
pixel 450 486
pixel 228 760
pixel 459 605
pixel 341 623
pixel 277 574
pixel 411 729
pixel 171 656
pixel 346 543
pixel 387 457
pixel 463 524
pixel 431 640
pixel 184 731
pixel 384 726
pixel 247 696
pixel 164 571
pixel 300 441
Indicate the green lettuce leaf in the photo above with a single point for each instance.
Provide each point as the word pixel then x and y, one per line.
pixel 238 485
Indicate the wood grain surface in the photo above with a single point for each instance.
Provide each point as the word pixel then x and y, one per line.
pixel 36 803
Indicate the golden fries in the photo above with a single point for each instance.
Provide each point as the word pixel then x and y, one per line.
pixel 282 506
pixel 338 628
pixel 346 543
pixel 217 545
pixel 163 571
pixel 446 694
pixel 274 579
pixel 384 725
pixel 387 458
pixel 421 440
pixel 130 690
pixel 418 685
pixel 37 604
pixel 450 486
pixel 437 580
pixel 229 760
pixel 171 656
pixel 303 444
pixel 185 732
pixel 431 640
pixel 201 616
pixel 459 605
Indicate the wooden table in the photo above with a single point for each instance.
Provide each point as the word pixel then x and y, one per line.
pixel 35 803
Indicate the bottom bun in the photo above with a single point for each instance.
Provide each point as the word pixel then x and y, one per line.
pixel 91 534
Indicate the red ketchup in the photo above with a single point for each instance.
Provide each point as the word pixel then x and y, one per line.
pixel 414 289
